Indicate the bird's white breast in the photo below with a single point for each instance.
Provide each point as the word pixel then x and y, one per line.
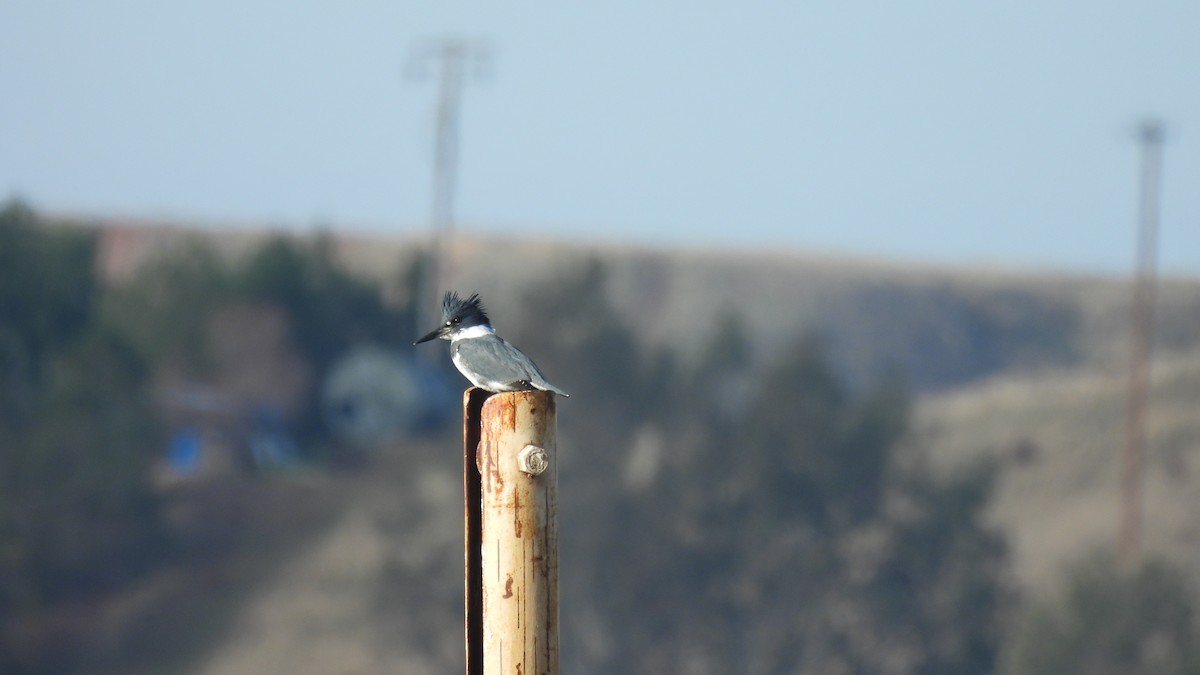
pixel 470 374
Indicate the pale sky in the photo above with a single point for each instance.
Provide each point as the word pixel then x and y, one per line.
pixel 951 131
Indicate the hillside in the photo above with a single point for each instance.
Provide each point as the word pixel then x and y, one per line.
pixel 937 327
pixel 1025 368
pixel 1058 437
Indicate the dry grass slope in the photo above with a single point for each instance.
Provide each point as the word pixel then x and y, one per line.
pixel 1059 438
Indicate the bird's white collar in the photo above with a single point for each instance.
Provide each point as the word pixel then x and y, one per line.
pixel 474 332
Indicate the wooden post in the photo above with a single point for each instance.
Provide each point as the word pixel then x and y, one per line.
pixel 512 541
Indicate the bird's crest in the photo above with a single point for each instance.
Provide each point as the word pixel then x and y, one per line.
pixel 454 307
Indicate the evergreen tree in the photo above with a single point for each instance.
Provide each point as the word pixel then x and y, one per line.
pixel 1110 622
pixel 793 532
pixel 77 513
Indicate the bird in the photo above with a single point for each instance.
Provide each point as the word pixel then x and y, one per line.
pixel 484 358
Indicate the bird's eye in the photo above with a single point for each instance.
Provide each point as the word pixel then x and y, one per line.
pixel 455 320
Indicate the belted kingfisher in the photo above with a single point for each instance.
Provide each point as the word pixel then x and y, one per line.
pixel 486 359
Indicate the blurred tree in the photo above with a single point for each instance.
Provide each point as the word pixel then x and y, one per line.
pixel 1111 622
pixel 717 388
pixel 46 298
pixel 330 310
pixel 411 270
pixel 593 355
pixel 790 534
pixel 85 514
pixel 791 434
pixel 170 307
pixel 77 512
pixel 76 509
pixel 938 593
pixel 590 350
pixel 166 308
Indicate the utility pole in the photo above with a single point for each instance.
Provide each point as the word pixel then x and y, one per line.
pixel 1129 538
pixel 456 59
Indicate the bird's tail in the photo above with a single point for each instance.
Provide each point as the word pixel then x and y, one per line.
pixel 546 386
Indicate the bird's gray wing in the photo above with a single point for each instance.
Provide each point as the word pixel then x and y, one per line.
pixel 531 373
pixel 497 361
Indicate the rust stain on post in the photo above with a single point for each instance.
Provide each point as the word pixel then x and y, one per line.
pixel 516 515
pixel 518 520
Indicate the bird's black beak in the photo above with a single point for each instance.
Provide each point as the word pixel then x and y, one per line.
pixel 433 335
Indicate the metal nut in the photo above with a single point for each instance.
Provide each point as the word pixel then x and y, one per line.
pixel 532 460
